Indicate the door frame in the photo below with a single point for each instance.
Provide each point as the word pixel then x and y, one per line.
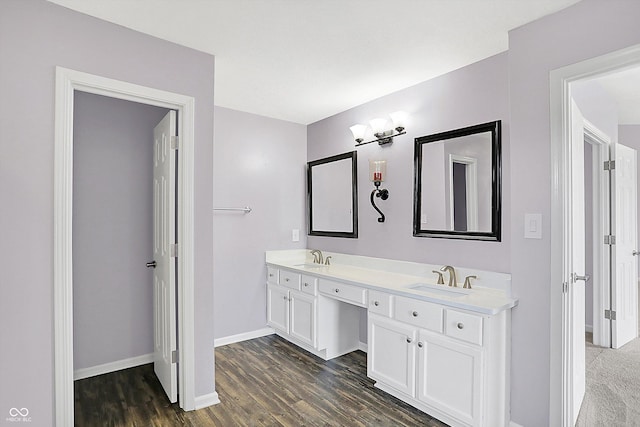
pixel 601 225
pixel 560 126
pixel 471 188
pixel 67 82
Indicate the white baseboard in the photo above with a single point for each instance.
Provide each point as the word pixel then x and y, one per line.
pixel 218 342
pixel 588 328
pixel 206 400
pixel 363 347
pixel 118 365
pixel 512 424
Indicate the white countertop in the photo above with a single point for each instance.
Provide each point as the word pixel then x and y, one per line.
pixel 368 274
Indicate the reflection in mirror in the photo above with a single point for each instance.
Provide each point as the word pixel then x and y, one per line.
pixel 457 183
pixel 332 196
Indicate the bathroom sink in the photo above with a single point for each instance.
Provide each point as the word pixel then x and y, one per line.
pixel 310 265
pixel 440 290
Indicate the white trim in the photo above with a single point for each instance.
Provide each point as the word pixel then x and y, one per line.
pixel 206 400
pixel 118 365
pixel 363 347
pixel 219 342
pixel 68 81
pixel 471 183
pixel 560 128
pixel 512 424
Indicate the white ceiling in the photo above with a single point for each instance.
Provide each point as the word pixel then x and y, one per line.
pixel 304 60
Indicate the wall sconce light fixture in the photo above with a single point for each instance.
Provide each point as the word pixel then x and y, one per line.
pixel 377 173
pixel 381 130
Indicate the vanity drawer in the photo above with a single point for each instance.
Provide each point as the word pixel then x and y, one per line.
pixel 463 326
pixel 290 279
pixel 272 275
pixel 348 293
pixel 309 285
pixel 380 303
pixel 419 313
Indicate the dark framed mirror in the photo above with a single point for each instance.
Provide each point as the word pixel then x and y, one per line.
pixel 457 187
pixel 332 196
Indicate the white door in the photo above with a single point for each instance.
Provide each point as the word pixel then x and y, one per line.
pixel 624 289
pixel 278 307
pixel 574 297
pixel 164 279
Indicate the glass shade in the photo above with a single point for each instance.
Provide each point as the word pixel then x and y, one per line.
pixel 379 126
pixel 358 132
pixel 399 119
pixel 377 170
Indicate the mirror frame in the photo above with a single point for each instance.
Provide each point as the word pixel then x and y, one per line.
pixel 353 155
pixel 496 183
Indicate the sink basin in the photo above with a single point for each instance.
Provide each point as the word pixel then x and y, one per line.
pixel 440 290
pixel 309 265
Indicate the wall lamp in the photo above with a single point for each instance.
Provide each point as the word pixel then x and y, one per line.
pixel 381 130
pixel 377 173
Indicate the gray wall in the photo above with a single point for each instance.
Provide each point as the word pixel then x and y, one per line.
pixel 586 30
pixel 112 229
pixel 471 95
pixel 35 36
pixel 258 162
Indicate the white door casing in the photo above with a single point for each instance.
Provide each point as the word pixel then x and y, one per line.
pixel 575 294
pixel 164 239
pixel 624 283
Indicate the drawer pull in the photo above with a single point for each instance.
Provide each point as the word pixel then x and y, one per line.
pixel 414 314
pixel 376 303
pixel 285 297
pixel 420 344
pixel 271 275
pixel 460 325
pixel 286 280
pixel 337 290
pixel 409 340
pixel 306 284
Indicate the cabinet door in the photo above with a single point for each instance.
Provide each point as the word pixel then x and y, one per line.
pixel 303 318
pixel 278 307
pixel 450 377
pixel 391 356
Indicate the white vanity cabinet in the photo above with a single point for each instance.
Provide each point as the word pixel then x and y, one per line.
pixel 434 358
pixel 291 309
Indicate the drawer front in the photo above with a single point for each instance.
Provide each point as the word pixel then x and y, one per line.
pixel 380 303
pixel 272 275
pixel 419 313
pixel 463 326
pixel 290 279
pixel 344 292
pixel 309 285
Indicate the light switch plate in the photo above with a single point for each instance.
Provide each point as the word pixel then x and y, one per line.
pixel 533 226
pixel 295 235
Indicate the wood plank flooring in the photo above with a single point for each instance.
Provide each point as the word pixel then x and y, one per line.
pixel 262 382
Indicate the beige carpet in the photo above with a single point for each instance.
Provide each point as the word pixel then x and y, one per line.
pixel 613 387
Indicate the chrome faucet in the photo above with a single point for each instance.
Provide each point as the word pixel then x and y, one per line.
pixel 453 281
pixel 317 256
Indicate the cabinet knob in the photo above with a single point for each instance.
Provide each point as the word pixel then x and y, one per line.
pixel 414 314
pixel 286 280
pixel 306 284
pixel 460 325
pixel 337 290
pixel 376 303
pixel 409 340
pixel 271 275
pixel 420 344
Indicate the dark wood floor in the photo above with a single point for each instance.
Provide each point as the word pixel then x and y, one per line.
pixel 261 382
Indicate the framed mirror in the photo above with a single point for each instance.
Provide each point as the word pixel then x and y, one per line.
pixel 332 196
pixel 457 187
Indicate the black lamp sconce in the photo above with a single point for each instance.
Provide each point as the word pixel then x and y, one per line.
pixel 381 130
pixel 377 173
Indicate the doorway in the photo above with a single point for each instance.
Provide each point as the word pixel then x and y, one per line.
pixel 67 82
pixel 566 340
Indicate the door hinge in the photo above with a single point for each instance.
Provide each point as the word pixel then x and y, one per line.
pixel 609 239
pixel 174 356
pixel 565 287
pixel 609 165
pixel 610 314
pixel 174 143
pixel 173 250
